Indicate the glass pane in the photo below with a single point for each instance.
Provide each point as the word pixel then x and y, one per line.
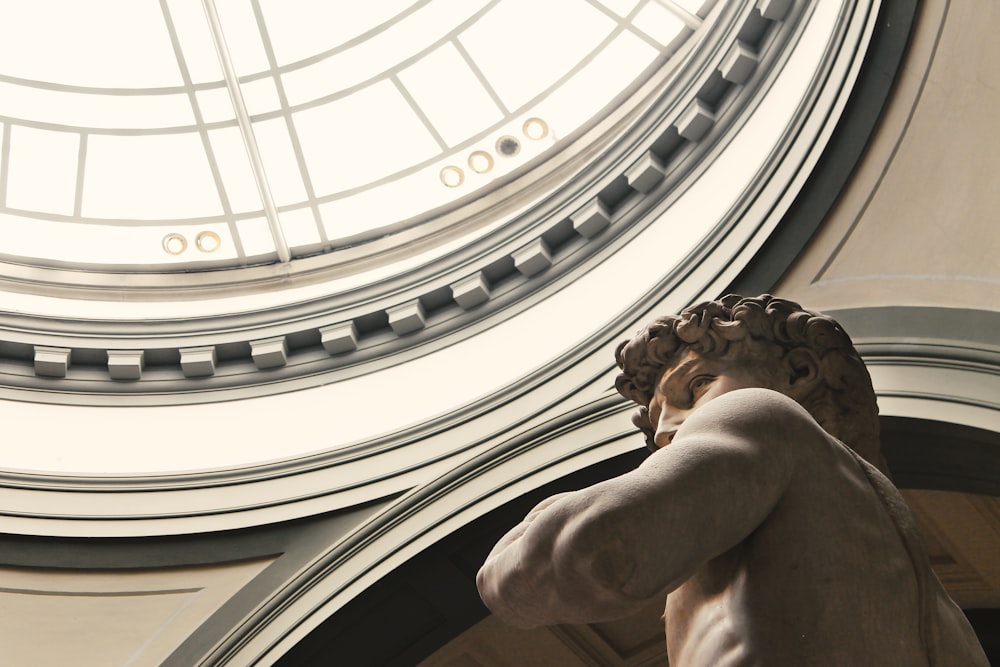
pixel 545 49
pixel 81 43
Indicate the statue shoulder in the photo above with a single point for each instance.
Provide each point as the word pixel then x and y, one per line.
pixel 751 419
pixel 754 405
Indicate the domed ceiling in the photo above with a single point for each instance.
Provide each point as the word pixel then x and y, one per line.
pixel 230 187
pixel 306 294
pixel 236 228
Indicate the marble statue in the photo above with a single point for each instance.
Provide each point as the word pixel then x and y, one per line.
pixel 764 514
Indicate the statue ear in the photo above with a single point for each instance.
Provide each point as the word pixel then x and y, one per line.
pixel 803 369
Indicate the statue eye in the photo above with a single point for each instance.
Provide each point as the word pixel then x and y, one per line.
pixel 699 383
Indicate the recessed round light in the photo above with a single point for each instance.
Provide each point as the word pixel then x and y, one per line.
pixel 480 162
pixel 535 128
pixel 508 146
pixel 452 176
pixel 174 244
pixel 208 241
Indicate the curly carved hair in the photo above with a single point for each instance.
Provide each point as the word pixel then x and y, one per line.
pixel 761 330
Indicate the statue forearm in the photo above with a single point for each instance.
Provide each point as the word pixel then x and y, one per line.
pixel 509 588
pixel 562 564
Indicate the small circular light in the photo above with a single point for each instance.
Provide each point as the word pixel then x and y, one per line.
pixel 508 146
pixel 208 241
pixel 174 244
pixel 480 162
pixel 535 128
pixel 452 176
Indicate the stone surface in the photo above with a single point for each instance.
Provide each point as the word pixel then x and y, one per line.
pixel 532 259
pixel 471 292
pixel 696 120
pixel 774 10
pixel 739 64
pixel 646 173
pixel 771 540
pixel 592 219
pixel 269 352
pixel 407 318
pixel 52 361
pixel 125 364
pixel 198 361
pixel 339 338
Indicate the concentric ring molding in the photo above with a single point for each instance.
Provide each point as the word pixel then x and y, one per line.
pixel 331 329
pixel 334 455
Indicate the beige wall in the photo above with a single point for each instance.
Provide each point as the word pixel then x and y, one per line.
pixel 917 225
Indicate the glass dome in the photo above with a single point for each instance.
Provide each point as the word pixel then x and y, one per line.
pixel 220 134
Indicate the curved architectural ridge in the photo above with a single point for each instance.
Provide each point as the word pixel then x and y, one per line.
pixel 469 490
pixel 924 366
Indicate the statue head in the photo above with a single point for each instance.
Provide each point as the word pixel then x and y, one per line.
pixel 804 354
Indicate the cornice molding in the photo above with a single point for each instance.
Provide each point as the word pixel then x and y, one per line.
pixel 931 363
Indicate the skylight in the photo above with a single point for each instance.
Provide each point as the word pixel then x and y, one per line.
pixel 278 128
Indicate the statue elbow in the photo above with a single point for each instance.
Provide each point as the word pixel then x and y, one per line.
pixel 613 568
pixel 513 590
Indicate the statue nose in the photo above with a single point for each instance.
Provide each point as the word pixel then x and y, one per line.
pixel 663 438
pixel 668 424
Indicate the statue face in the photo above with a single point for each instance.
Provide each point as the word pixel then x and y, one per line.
pixel 696 380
